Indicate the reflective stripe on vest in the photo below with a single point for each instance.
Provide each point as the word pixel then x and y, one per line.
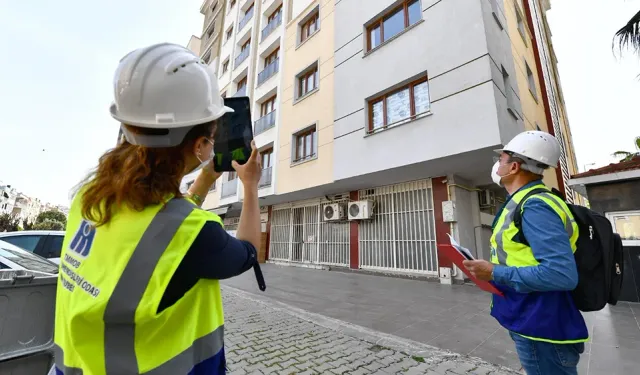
pixel 120 312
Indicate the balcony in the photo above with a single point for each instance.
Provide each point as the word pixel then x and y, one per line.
pixel 271 26
pixel 265 178
pixel 265 123
pixel 241 57
pixel 229 188
pixel 241 92
pixel 269 71
pixel 245 20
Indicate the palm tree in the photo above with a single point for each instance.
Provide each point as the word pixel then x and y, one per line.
pixel 626 155
pixel 629 35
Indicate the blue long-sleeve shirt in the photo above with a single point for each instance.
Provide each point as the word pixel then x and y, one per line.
pixel 551 247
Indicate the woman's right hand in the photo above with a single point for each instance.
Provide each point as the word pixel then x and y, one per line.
pixel 250 172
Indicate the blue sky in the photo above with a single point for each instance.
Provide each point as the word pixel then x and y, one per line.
pixel 58 60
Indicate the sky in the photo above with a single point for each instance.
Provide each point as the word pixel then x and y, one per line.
pixel 58 60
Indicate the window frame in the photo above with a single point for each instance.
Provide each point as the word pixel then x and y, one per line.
pixel 268 152
pixel 274 14
pixel 265 105
pixel 412 104
pixel 273 56
pixel 612 215
pixel 229 33
pixel 312 18
pixel 301 136
pixel 225 66
pixel 245 46
pixel 241 81
pixel 232 3
pixel 302 81
pixel 379 22
pixel 531 80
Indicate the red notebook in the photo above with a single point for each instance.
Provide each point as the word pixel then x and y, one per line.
pixel 457 258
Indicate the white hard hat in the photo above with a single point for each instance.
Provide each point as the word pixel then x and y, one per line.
pixel 537 146
pixel 165 86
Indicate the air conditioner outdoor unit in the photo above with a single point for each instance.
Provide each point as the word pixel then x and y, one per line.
pixel 360 210
pixel 333 211
pixel 487 198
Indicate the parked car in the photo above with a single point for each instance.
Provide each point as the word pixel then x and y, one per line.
pixel 46 243
pixel 14 258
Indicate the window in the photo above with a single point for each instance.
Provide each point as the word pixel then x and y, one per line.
pixel 229 33
pixel 245 46
pixel 225 66
pixel 207 58
pixel 268 106
pixel 28 260
pixel 275 14
pixel 394 22
pixel 272 57
pixel 267 156
pixel 521 27
pixel 224 95
pixel 305 144
pixel 508 93
pixel 531 80
pixel 627 225
pixel 242 83
pixel 310 25
pixel 308 81
pixel 54 247
pixel 249 9
pixel 211 29
pixel 213 7
pixel 231 4
pixel 232 176
pixel 400 104
pixel 28 243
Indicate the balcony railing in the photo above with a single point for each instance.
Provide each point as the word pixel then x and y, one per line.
pixel 245 20
pixel 229 188
pixel 269 71
pixel 241 57
pixel 265 122
pixel 272 25
pixel 265 177
pixel 241 92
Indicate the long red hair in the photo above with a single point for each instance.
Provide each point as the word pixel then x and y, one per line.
pixel 137 176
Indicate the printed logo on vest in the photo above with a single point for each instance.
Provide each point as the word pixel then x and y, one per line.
pixel 83 239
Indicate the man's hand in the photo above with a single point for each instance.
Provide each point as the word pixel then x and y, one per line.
pixel 480 269
pixel 250 172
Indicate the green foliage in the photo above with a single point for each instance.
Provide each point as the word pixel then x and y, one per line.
pixel 53 215
pixel 27 225
pixel 49 224
pixel 9 223
pixel 627 155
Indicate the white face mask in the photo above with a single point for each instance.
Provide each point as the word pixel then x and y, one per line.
pixel 494 174
pixel 205 161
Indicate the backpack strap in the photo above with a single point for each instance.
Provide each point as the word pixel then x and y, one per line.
pixel 517 214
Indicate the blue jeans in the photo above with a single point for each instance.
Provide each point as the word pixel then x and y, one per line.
pixel 543 358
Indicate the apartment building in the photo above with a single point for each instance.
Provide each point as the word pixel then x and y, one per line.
pixel 377 121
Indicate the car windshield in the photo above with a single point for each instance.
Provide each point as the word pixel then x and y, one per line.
pixel 28 260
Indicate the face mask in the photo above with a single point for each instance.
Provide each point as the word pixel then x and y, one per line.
pixel 205 161
pixel 494 174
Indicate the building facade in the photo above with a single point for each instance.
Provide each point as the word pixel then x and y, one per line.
pixel 377 121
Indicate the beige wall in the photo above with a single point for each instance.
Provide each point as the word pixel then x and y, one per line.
pixel 315 108
pixel 532 106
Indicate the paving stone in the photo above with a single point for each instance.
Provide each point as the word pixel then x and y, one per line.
pixel 263 339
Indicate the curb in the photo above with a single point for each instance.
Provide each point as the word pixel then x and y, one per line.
pixel 431 354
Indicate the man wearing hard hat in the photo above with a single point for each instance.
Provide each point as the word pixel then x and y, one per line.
pixel 536 275
pixel 138 291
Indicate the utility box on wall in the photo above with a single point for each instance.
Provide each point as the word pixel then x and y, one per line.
pixel 449 212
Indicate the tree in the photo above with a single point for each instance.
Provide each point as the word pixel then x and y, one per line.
pixel 48 224
pixel 9 223
pixel 626 155
pixel 628 37
pixel 52 215
pixel 27 225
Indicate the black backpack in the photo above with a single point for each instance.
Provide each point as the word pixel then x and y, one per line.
pixel 598 256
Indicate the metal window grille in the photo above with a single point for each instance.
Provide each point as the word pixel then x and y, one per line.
pixel 401 235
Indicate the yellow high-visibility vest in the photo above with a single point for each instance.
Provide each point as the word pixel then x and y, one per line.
pixel 112 279
pixel 542 316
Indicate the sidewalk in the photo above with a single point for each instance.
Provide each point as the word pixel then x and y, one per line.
pixel 453 318
pixel 266 337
